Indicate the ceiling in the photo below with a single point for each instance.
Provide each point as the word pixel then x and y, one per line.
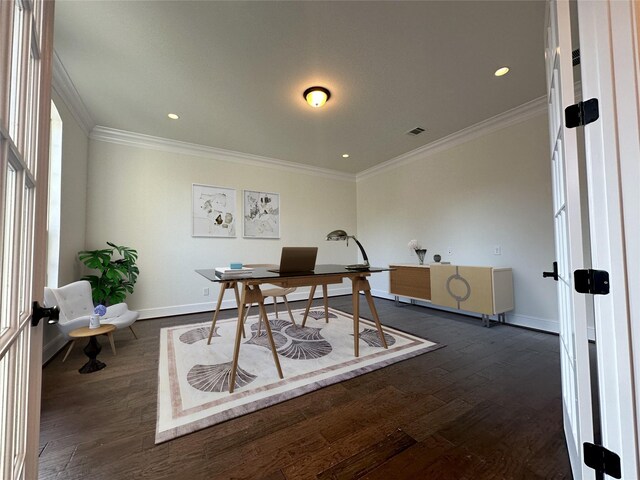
pixel 235 71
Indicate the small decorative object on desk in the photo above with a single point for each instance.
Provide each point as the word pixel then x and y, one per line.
pixel 94 320
pixel 437 258
pixel 420 252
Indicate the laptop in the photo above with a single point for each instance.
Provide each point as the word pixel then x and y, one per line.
pixel 297 260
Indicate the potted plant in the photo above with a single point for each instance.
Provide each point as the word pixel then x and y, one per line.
pixel 117 272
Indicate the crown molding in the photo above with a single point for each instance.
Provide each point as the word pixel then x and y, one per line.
pixel 122 137
pixel 63 85
pixel 510 117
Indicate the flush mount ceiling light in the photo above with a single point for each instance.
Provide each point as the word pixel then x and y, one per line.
pixel 173 116
pixel 316 96
pixel 501 71
pixel 345 155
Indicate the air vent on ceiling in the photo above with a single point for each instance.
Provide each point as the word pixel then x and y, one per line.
pixel 415 131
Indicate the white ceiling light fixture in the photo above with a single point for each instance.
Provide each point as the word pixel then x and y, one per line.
pixel 501 71
pixel 345 155
pixel 173 116
pixel 316 96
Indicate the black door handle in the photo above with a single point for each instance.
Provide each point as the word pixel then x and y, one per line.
pixel 38 313
pixel 553 274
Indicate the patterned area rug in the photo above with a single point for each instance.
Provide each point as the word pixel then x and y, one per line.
pixel 193 377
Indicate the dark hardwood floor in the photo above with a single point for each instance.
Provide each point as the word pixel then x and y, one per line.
pixel 487 406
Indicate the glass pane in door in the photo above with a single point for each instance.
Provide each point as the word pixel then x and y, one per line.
pixel 9 213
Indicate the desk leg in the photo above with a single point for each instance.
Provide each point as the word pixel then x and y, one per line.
pixel 267 327
pixel 251 294
pixel 356 316
pixel 236 348
pixel 289 308
pixel 326 302
pixel 361 284
pixel 223 287
pixel 306 312
pixel 374 312
pixel 235 290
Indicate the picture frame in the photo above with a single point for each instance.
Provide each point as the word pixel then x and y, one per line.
pixel 260 214
pixel 213 211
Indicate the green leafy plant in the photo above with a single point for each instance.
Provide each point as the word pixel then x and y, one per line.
pixel 117 275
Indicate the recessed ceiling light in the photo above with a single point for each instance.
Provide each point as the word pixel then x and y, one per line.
pixel 501 71
pixel 345 155
pixel 173 116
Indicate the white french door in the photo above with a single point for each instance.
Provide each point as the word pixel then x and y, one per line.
pixel 610 73
pixel 568 231
pixel 25 52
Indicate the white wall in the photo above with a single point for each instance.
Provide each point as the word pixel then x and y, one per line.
pixel 73 211
pixel 490 191
pixel 141 197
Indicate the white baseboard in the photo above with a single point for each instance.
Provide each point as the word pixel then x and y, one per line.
pixel 52 347
pixel 229 303
pixel 537 323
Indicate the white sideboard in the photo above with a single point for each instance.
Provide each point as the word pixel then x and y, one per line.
pixel 484 290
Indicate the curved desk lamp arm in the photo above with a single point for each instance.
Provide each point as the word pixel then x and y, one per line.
pixel 364 254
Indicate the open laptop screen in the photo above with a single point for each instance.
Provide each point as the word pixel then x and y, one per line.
pixel 297 259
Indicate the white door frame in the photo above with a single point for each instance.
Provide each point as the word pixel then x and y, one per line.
pixel 609 66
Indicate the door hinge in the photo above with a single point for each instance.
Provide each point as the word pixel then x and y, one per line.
pixel 553 274
pixel 602 460
pixel 581 113
pixel 595 282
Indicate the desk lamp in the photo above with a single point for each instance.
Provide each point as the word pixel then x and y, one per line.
pixel 342 235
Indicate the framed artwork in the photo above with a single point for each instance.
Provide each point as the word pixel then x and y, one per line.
pixel 213 211
pixel 261 214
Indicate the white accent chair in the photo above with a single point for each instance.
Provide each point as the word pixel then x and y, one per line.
pixel 76 307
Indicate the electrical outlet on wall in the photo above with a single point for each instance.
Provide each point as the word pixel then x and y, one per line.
pixel 497 250
pixel 449 251
pixel 205 291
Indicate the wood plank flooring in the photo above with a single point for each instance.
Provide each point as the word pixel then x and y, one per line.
pixel 487 406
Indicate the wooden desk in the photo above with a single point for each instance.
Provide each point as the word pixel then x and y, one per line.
pixel 322 275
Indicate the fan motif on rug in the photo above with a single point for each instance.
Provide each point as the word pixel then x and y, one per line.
pixel 295 342
pixel 318 314
pixel 303 333
pixel 262 340
pixel 197 334
pixel 215 378
pixel 305 350
pixel 372 338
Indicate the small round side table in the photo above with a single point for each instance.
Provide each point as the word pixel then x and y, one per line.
pixel 93 348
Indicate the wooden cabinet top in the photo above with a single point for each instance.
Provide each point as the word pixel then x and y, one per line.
pixel 392 265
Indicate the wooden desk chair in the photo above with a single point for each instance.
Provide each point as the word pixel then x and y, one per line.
pixel 274 292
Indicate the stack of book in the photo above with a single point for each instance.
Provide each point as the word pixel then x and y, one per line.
pixel 226 273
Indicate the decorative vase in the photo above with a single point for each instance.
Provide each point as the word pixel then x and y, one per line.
pixel 421 252
pixel 94 321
